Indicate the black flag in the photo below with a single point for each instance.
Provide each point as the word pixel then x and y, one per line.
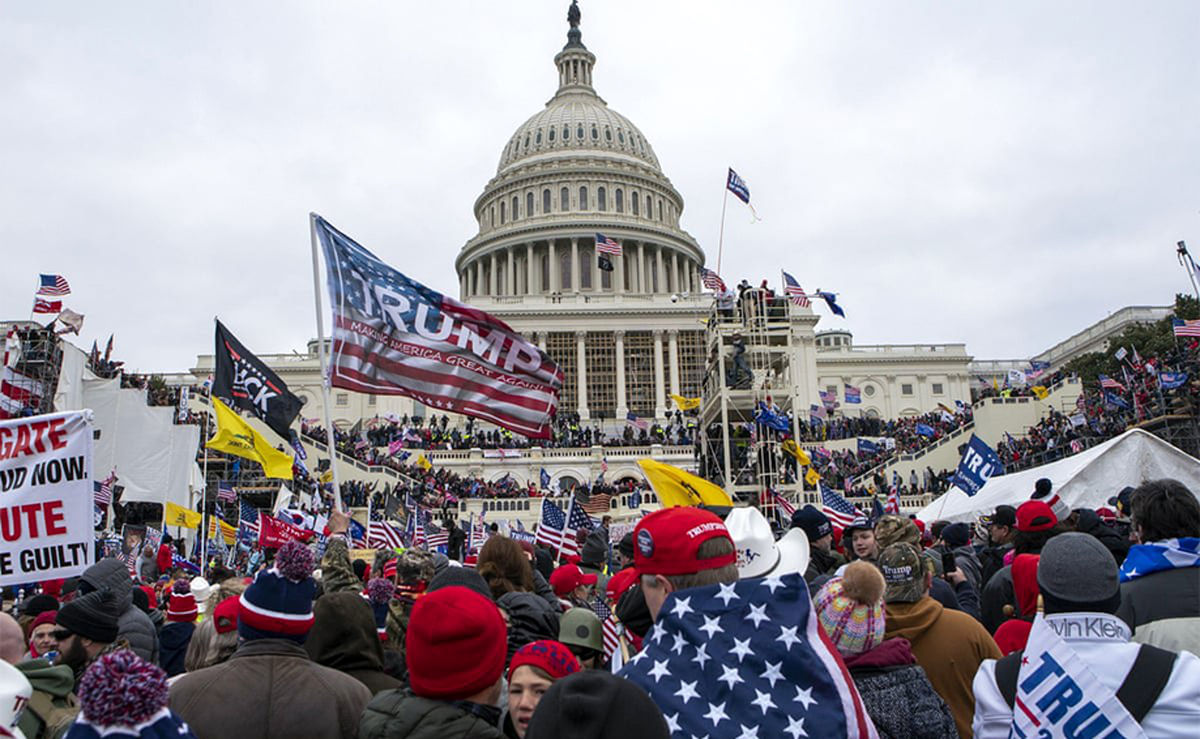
pixel 605 263
pixel 247 383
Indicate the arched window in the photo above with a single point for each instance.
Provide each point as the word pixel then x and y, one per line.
pixel 502 212
pixel 564 269
pixel 595 133
pixel 528 204
pixel 649 208
pixel 516 207
pixel 537 138
pixel 583 198
pixel 586 259
pixel 633 200
pixel 579 132
pixel 602 198
pixel 551 134
pixel 564 200
pixel 660 209
pixel 546 200
pixel 566 133
pixel 620 200
pixel 492 216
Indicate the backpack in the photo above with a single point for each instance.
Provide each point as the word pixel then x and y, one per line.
pixel 1147 677
pixel 54 719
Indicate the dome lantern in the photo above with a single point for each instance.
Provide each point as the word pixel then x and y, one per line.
pixel 574 62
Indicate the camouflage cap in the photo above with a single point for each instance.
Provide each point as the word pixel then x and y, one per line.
pixel 892 529
pixel 414 565
pixel 904 573
pixel 579 627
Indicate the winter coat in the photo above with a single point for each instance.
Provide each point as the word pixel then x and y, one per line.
pixel 530 618
pixel 132 625
pixel 897 694
pixel 147 568
pixel 396 714
pixel 55 682
pixel 343 637
pixel 173 642
pixel 1175 713
pixel 269 688
pixel 543 589
pixel 165 559
pixel 996 594
pixel 1163 609
pixel 968 564
pixel 822 562
pixel 950 645
pixel 1089 522
pixel 991 561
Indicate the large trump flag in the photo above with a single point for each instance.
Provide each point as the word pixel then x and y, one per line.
pixel 394 336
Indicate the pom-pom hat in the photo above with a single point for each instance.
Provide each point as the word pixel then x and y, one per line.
pixel 456 644
pixel 181 608
pixel 850 608
pixel 122 691
pixel 668 541
pixel 278 604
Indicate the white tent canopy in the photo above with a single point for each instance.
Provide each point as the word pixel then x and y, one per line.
pixel 1085 480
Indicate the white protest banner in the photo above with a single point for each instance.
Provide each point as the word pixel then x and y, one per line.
pixel 45 497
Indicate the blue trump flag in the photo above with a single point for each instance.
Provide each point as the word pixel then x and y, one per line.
pixel 867 447
pixel 545 478
pixel 978 464
pixel 770 418
pixel 1111 398
pixel 925 429
pixel 831 301
pixel 1172 380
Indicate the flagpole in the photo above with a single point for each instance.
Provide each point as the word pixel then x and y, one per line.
pixel 1182 252
pixel 721 235
pixel 329 433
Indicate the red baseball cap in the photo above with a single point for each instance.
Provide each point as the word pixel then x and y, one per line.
pixel 1034 515
pixel 667 541
pixel 620 582
pixel 567 578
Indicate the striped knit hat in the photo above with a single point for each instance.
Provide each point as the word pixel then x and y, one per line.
pixel 850 608
pixel 278 604
pixel 181 608
pixel 379 594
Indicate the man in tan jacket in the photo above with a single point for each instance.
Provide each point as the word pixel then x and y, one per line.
pixel 949 645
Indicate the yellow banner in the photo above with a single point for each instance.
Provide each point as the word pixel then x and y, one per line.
pixel 424 463
pixel 675 487
pixel 235 436
pixel 685 404
pixel 177 515
pixel 1040 391
pixel 790 446
pixel 811 477
pixel 228 533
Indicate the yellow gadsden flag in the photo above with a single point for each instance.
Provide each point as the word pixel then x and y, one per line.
pixel 685 404
pixel 675 487
pixel 811 477
pixel 789 446
pixel 235 436
pixel 228 533
pixel 1040 391
pixel 424 463
pixel 177 515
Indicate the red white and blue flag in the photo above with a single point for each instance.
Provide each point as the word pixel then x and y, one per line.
pixel 394 336
pixel 1181 327
pixel 53 285
pixel 792 289
pixel 839 510
pixel 225 492
pixel 712 280
pixel 606 245
pixel 383 535
pixel 1108 383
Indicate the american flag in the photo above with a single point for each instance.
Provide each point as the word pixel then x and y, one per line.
pixel 577 519
pixel 712 280
pixel 605 245
pixel 838 509
pixel 225 492
pixel 747 659
pixel 598 504
pixel 395 336
pixel 783 504
pixel 247 521
pixel 550 527
pixel 893 500
pixel 1109 383
pixel 53 285
pixel 103 490
pixel 435 537
pixel 1185 328
pixel 383 535
pixel 633 420
pixel 795 293
pixel 608 625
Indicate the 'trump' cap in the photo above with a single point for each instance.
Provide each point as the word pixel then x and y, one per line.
pixel 667 542
pixel 904 573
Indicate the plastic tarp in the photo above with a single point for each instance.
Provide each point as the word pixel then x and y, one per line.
pixel 68 396
pixel 1085 480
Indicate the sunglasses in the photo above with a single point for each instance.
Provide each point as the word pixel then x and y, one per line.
pixel 60 634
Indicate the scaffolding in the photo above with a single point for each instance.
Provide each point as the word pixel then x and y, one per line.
pixel 32 361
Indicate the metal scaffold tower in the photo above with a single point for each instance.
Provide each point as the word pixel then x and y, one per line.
pixel 32 361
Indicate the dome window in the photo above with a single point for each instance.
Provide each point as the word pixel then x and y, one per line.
pixel 526 142
pixel 537 139
pixel 516 204
pixel 551 134
pixel 566 133
pixel 528 204
pixel 621 136
pixel 564 200
pixel 607 134
pixel 583 198
pixel 546 197
pixel 595 134
pixel 579 132
pixel 602 198
pixel 633 200
pixel 620 200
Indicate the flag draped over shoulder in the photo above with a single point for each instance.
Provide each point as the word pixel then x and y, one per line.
pixel 235 436
pixel 394 336
pixel 676 487
pixel 250 385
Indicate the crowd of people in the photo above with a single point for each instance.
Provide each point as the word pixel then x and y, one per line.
pixel 696 622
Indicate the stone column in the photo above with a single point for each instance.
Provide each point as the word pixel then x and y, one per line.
pixel 673 354
pixel 597 285
pixel 541 340
pixel 622 406
pixel 479 277
pixel 462 285
pixel 676 282
pixel 581 375
pixel 575 271
pixel 529 279
pixel 660 400
pixel 659 272
pixel 642 282
pixel 552 261
pixel 619 273
pixel 493 283
pixel 510 276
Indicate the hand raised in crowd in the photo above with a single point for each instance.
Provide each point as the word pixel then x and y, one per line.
pixel 339 523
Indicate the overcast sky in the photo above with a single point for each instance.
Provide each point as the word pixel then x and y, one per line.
pixel 1002 174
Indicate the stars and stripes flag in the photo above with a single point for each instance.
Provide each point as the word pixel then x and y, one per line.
pixel 893 500
pixel 550 526
pixel 597 504
pixel 632 419
pixel 53 285
pixel 783 504
pixel 795 293
pixel 577 518
pixel 606 245
pixel 247 521
pixel 747 659
pixel 609 627
pixel 394 336
pixel 225 492
pixel 435 536
pixel 1185 328
pixel 103 490
pixel 839 510
pixel 1109 383
pixel 383 535
pixel 712 280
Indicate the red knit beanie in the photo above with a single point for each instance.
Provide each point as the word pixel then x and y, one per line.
pixel 456 644
pixel 552 657
pixel 181 608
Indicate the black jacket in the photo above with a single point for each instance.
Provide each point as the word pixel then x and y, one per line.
pixel 1089 522
pixel 396 714
pixel 530 619
pixel 173 641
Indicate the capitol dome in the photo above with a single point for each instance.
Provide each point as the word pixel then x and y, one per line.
pixel 571 171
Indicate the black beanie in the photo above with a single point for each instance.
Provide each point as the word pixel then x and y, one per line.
pixel 39 604
pixel 596 704
pixel 625 546
pixel 461 576
pixel 92 616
